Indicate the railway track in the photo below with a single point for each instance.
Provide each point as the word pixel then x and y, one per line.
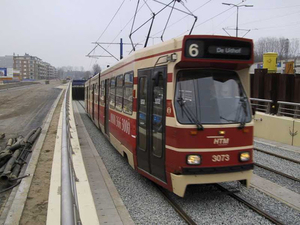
pixel 276 155
pixel 176 207
pixel 250 205
pixel 190 221
pixel 277 172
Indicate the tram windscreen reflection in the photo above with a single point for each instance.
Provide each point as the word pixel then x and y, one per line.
pixel 211 97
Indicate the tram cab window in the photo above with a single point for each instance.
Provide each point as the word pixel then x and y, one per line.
pixel 119 93
pixel 128 88
pixel 102 96
pixel 112 101
pixel 211 97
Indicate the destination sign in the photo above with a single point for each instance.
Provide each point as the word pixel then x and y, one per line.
pixel 228 50
pixel 218 49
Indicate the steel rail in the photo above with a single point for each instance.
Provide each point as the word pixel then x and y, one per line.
pixel 69 204
pixel 250 205
pixel 277 172
pixel 176 207
pixel 276 155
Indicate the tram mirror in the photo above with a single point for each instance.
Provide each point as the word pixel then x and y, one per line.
pixel 155 78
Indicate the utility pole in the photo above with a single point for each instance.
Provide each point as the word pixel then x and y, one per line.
pixel 121 48
pixel 237 14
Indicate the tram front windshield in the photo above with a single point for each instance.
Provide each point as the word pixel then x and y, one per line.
pixel 210 97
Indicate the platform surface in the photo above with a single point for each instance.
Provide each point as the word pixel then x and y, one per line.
pixel 109 205
pixel 276 191
pixel 277 144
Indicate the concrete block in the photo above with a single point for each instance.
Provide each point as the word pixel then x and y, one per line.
pixel 274 128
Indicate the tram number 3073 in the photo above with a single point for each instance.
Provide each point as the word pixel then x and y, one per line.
pixel 220 158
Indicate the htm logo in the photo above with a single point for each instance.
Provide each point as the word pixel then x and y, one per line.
pixel 221 141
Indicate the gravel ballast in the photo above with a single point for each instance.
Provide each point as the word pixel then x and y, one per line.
pixel 207 205
pixel 204 203
pixel 277 209
pixel 144 203
pixel 278 164
pixel 278 179
pixel 279 151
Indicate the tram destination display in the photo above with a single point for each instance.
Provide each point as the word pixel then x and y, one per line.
pixel 218 49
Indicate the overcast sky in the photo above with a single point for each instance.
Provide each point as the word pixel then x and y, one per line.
pixel 61 31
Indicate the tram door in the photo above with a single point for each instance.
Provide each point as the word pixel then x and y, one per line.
pixel 106 110
pixel 151 121
pixel 93 102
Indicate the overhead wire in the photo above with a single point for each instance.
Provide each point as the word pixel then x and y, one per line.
pixel 273 17
pixel 186 7
pixel 93 50
pixel 208 20
pixel 162 35
pixel 291 6
pixel 224 20
pixel 111 20
pixel 275 27
pixel 145 2
pixel 125 26
pixel 180 19
pixel 150 28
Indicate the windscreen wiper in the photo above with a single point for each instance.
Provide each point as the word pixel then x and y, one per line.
pixel 245 114
pixel 189 114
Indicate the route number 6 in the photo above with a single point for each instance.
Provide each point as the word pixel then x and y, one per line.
pixel 193 50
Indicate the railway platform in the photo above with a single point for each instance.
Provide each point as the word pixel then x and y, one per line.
pixel 277 144
pixel 108 203
pixel 95 199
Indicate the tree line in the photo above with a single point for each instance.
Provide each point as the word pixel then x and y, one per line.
pixel 77 72
pixel 285 48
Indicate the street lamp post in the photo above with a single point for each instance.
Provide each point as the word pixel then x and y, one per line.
pixel 237 14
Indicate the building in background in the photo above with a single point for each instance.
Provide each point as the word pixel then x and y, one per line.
pixel 17 75
pixel 6 67
pixel 34 68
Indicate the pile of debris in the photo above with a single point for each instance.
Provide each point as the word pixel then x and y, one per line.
pixel 14 156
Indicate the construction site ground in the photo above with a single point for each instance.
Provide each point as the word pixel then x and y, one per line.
pixel 21 110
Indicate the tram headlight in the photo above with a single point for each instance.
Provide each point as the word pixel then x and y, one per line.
pixel 193 159
pixel 244 156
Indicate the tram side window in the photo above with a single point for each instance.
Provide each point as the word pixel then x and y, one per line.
pixel 102 96
pixel 112 101
pixel 119 93
pixel 128 87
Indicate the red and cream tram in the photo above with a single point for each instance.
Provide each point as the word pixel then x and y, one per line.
pixel 179 111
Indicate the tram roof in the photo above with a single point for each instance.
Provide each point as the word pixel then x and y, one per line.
pixel 164 48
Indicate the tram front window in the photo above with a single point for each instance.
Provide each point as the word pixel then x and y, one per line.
pixel 210 97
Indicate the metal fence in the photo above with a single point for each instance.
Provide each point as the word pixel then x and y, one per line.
pixel 69 201
pixel 261 105
pixel 290 109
